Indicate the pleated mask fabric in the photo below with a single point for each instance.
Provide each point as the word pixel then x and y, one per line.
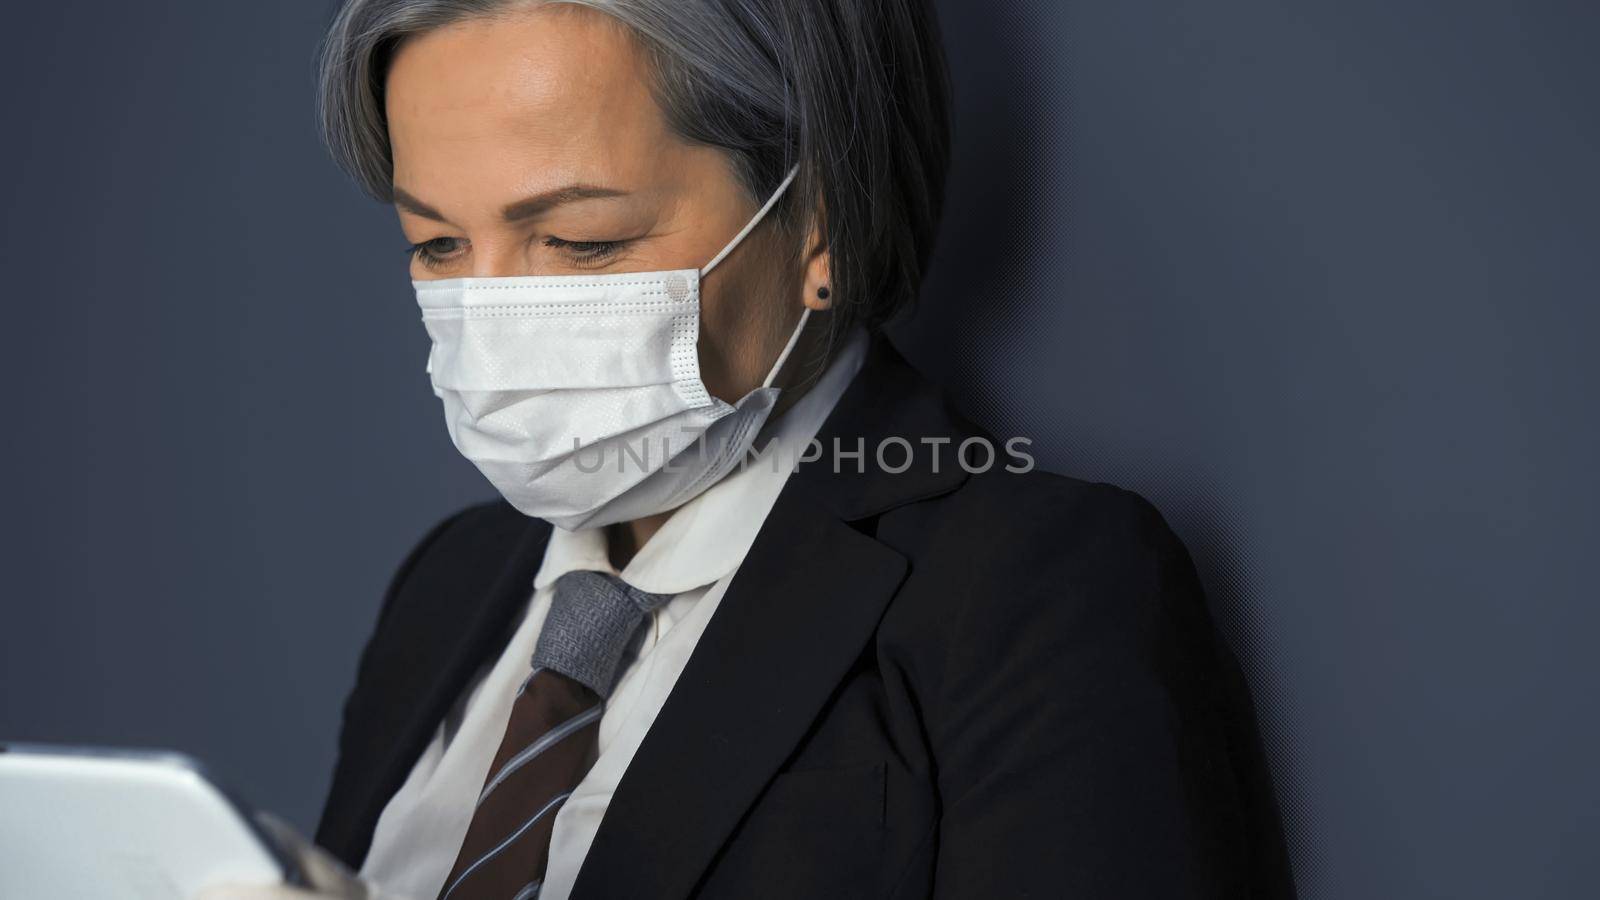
pixel 579 396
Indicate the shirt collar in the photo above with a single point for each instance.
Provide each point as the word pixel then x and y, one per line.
pixel 707 538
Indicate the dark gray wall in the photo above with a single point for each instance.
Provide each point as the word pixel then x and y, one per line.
pixel 1320 282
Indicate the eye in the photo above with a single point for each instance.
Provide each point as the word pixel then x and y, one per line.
pixel 437 251
pixel 586 253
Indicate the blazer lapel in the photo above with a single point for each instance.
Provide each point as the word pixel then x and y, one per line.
pixel 421 672
pixel 800 609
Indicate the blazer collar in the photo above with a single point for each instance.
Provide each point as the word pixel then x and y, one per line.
pixel 891 406
pixel 798 612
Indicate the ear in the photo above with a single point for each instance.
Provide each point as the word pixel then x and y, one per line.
pixel 816 290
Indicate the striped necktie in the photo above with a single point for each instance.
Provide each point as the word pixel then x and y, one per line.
pixel 551 738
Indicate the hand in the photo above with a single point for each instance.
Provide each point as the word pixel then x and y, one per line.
pixel 326 877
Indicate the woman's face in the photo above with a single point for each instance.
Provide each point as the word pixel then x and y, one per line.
pixel 531 144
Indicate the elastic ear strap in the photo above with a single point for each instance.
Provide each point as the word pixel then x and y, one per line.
pixel 805 312
pixel 751 225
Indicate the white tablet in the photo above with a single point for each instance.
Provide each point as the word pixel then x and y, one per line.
pixel 123 825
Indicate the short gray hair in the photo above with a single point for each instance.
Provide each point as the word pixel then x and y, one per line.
pixel 854 91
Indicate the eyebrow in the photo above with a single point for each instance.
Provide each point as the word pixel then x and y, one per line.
pixel 526 208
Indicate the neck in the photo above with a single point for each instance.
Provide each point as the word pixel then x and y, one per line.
pixel 805 364
pixel 624 539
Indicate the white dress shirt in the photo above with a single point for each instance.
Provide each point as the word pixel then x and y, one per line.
pixel 694 557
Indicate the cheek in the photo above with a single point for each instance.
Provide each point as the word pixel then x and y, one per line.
pixel 718 336
pixel 742 326
pixel 722 316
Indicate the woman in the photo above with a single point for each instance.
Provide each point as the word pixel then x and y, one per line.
pixel 757 616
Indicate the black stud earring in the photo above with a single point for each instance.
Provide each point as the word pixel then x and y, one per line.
pixel 822 292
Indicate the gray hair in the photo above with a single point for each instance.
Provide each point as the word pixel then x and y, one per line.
pixel 854 91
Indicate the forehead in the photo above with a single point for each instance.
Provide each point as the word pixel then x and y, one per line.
pixel 543 95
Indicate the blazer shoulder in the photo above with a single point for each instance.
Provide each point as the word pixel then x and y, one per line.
pixel 429 600
pixel 1044 522
pixel 468 542
pixel 1014 554
pixel 1059 639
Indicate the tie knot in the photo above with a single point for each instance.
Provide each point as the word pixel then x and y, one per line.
pixel 593 618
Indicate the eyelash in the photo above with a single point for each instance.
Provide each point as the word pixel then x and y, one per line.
pixel 584 253
pixel 424 252
pixel 587 253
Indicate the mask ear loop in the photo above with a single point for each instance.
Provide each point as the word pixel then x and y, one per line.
pixel 743 233
pixel 805 311
pixel 751 225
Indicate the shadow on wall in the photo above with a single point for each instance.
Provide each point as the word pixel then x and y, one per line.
pixel 994 284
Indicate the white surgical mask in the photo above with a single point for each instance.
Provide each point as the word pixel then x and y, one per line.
pixel 579 396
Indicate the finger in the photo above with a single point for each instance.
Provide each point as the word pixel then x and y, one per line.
pixel 322 871
pixel 281 832
pixel 325 873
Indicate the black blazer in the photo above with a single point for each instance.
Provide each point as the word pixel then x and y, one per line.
pixel 930 683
